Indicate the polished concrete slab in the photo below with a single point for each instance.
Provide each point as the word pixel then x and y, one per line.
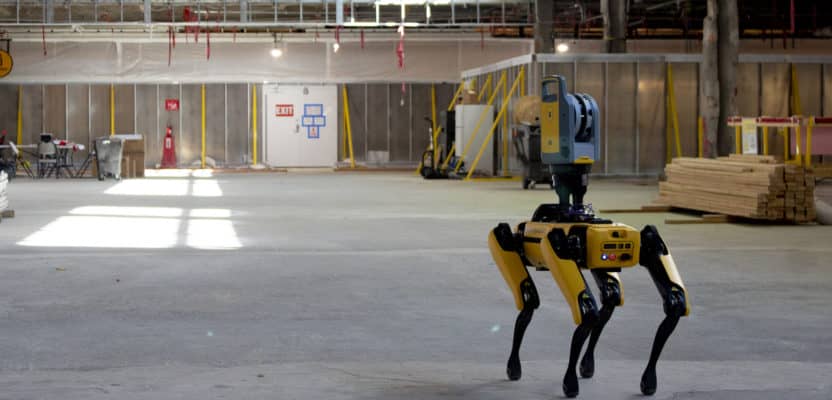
pixel 373 286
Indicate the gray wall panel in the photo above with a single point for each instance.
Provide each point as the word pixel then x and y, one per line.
pixel 651 117
pixel 169 118
pixel 748 90
pixel 215 122
pixel 590 80
pixel 32 113
pixel 100 110
pixel 808 76
pixel 124 109
pixel 191 125
pixel 147 111
pixel 775 101
pixel 621 118
pixel 421 109
pixel 54 112
pixel 377 117
pixel 399 123
pixel 686 88
pixel 78 118
pixel 238 120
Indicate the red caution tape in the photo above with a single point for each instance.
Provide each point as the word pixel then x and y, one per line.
pixel 43 33
pixel 170 43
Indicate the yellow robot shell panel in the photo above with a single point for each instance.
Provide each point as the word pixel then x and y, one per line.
pixel 511 267
pixel 612 246
pixel 673 274
pixel 549 128
pixel 568 277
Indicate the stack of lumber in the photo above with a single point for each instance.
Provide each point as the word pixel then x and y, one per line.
pixel 747 186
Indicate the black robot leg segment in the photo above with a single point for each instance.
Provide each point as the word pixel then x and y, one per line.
pixel 530 302
pixel 610 288
pixel 656 257
pixel 589 319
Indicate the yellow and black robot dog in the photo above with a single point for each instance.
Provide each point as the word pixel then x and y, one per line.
pixel 567 237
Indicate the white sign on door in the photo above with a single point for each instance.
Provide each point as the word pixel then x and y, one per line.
pixel 302 125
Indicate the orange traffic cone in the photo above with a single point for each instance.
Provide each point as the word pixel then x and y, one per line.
pixel 169 150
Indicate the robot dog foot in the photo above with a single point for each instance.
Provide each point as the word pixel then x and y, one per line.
pixel 648 383
pixel 570 385
pixel 513 369
pixel 587 366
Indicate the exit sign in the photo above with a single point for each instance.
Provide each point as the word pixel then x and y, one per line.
pixel 284 110
pixel 172 104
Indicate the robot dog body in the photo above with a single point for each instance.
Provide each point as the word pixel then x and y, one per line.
pixel 565 238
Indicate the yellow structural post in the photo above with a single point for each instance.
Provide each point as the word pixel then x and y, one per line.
pixel 700 132
pixel 502 82
pixel 494 125
pixel 348 125
pixel 254 124
pixel 112 110
pixel 765 140
pixel 20 114
pixel 202 157
pixel 505 136
pixel 798 157
pixel 809 130
pixel 485 86
pixel 673 114
pixel 523 86
pixel 738 139
pixel 668 130
pixel 796 108
pixel 786 144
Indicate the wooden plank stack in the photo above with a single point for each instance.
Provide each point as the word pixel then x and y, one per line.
pixel 748 186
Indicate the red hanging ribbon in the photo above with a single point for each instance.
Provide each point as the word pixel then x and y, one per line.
pixel 208 42
pixel 362 38
pixel 43 33
pixel 482 40
pixel 400 48
pixel 338 35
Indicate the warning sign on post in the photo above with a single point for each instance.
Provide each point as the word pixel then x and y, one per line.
pixel 284 110
pixel 6 63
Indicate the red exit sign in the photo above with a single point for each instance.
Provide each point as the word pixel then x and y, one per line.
pixel 284 110
pixel 172 104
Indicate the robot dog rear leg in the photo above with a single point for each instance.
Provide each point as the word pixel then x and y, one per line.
pixel 656 257
pixel 609 285
pixel 503 248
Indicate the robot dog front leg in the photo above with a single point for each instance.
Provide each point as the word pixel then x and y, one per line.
pixel 560 254
pixel 612 296
pixel 659 262
pixel 503 248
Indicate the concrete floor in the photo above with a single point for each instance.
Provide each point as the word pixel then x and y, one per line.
pixel 373 286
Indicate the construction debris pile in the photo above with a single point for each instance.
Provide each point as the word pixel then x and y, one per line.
pixel 748 186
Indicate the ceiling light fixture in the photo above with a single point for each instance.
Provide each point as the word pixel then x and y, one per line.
pixel 275 52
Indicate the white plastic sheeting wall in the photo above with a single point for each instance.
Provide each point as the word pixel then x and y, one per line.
pixel 426 60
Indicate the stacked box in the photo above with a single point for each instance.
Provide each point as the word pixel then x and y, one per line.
pixel 132 161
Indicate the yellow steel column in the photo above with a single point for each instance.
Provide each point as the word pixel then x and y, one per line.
pixel 434 128
pixel 700 131
pixel 348 125
pixel 674 115
pixel 809 142
pixel 202 158
pixel 19 114
pixel 738 139
pixel 765 140
pixel 505 133
pixel 254 124
pixel 798 157
pixel 796 108
pixel 112 110
pixel 494 125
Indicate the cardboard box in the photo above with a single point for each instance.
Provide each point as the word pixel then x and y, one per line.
pixel 469 97
pixel 132 165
